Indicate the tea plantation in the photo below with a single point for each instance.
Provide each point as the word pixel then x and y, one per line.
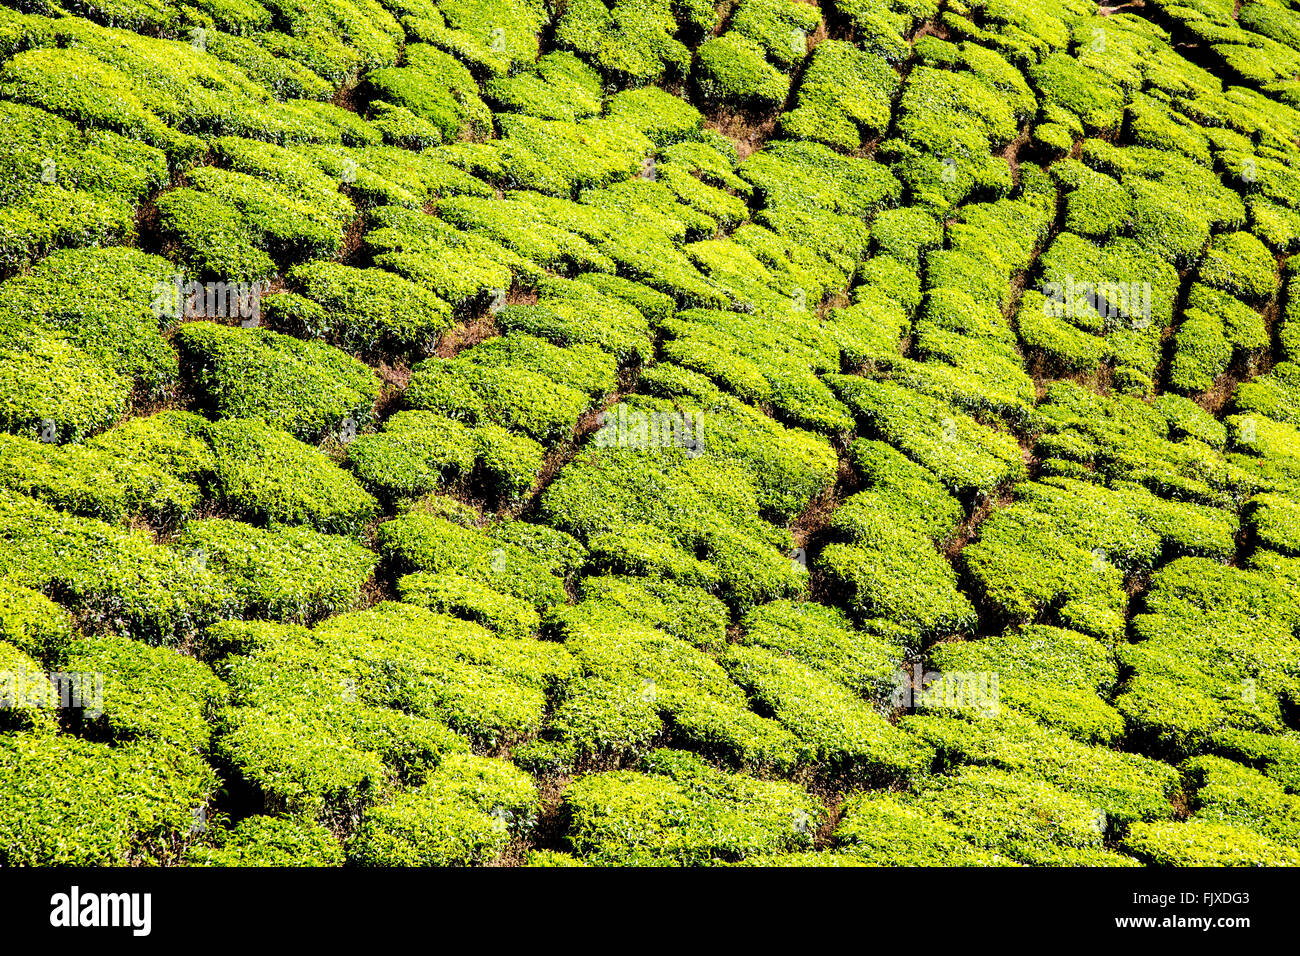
pixel 649 432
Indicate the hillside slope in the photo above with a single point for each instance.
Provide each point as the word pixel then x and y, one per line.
pixel 456 432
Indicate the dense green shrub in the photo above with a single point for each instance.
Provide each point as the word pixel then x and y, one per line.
pixel 896 574
pixel 631 42
pixel 95 482
pixel 559 158
pixel 112 577
pixel 1211 656
pixel 686 612
pixel 845 94
pixel 730 70
pixel 74 803
pixel 883 830
pixel 308 389
pixel 419 541
pixel 560 87
pixel 778 26
pixel 33 623
pixel 638 683
pixel 1240 265
pixel 1057 676
pixel 1204 843
pixel 269 841
pixel 326 719
pixel 1019 817
pixel 467 597
pixel 465 813
pixel 664 118
pixel 1069 544
pixel 291 574
pixel 682 811
pixel 212 236
pixel 698 506
pixel 288 225
pixel 511 395
pixel 267 475
pixel 150 693
pixel 108 302
pixel 965 456
pixel 362 310
pixel 415 453
pixel 401 127
pixel 836 730
pixel 434 85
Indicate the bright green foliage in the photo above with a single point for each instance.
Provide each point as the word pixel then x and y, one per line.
pixel 663 118
pixel 512 395
pixel 33 623
pixel 465 813
pixel 288 221
pixel 418 541
pixel 905 234
pixel 74 803
pixel 291 574
pixel 434 85
pixel 845 94
pixel 652 514
pixel 1121 438
pixel 361 310
pixel 682 370
pixel 780 27
pixel 270 841
pixel 1275 395
pixel 635 682
pixel 836 731
pixel 1214 653
pixel 467 597
pixel 1124 785
pixel 789 467
pixel 325 718
pixel 560 87
pixel 1116 292
pixel 559 158
pixel 689 613
pixel 1204 843
pixel 895 574
pixel 401 127
pixel 967 457
pixel 633 42
pixel 1274 520
pixel 732 71
pixel 212 236
pixel 1068 83
pixel 150 693
pixel 1224 791
pixel 1188 420
pixel 1057 676
pixel 63 187
pixel 821 638
pixel 1240 265
pixel 308 389
pixel 1014 816
pixel 682 811
pixel 1068 545
pixel 887 831
pixel 414 454
pixel 95 482
pixel 267 475
pixel 106 302
pixel 113 577
pixel 762 367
